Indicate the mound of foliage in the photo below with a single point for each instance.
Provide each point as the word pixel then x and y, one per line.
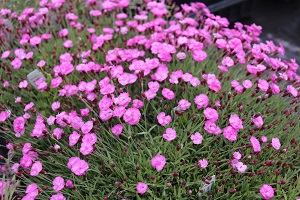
pixel 144 102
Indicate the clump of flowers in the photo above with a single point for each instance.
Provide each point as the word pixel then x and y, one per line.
pixel 145 102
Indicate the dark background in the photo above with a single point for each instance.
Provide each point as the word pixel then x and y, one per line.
pixel 280 19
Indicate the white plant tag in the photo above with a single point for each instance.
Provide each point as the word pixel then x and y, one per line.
pixel 34 76
pixel 207 187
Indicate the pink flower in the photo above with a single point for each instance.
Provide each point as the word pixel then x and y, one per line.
pixel 163 119
pixel 158 162
pixel 126 78
pixel 203 163
pixel 137 103
pixel 35 40
pixel 23 84
pixel 255 144
pixel 55 105
pixel 214 84
pixel 41 63
pixel 221 43
pixel 263 85
pixel 86 148
pixel 6 84
pixel 195 81
pixel 212 128
pixel 168 94
pixel 211 114
pixel 58 183
pixel 275 88
pixel 57 133
pixel 46 36
pixel 241 167
pixel 235 122
pixel 41 84
pixel 95 13
pixel 247 84
pixel 230 133
pixel 18 99
pixel 5 54
pixel 170 134
pixel 32 190
pixel 141 188
pixel 15 167
pixel 258 121
pixel 187 77
pixel 90 138
pixel 77 166
pixel 105 103
pixel 255 69
pixel 217 103
pixel 266 191
pixel 264 139
pixel 181 55
pixel 123 99
pixel 87 127
pixel 276 143
pixel 149 94
pixel 73 138
pixel 26 148
pixel 36 168
pixel 20 53
pixel 292 90
pixel 19 126
pixel 237 155
pixel 58 196
pixel 50 120
pixel 68 44
pixel 56 82
pixel 29 55
pixel 197 138
pixel 65 68
pixel 4 115
pixel 201 100
pixel 199 55
pixel 227 61
pixel 184 104
pixel 63 33
pixel 234 162
pixel 84 112
pixel 106 114
pixel 69 183
pixel 175 76
pixel 223 68
pixel 16 63
pixel 28 106
pixel 117 129
pixel 119 111
pixel 4 185
pixel 132 116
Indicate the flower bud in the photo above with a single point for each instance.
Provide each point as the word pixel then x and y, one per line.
pixel 183 183
pixel 232 190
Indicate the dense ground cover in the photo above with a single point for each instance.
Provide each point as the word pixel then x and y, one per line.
pixel 148 102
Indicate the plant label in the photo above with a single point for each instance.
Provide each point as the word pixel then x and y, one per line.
pixel 34 76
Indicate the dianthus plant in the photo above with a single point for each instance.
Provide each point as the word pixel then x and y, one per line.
pixel 147 101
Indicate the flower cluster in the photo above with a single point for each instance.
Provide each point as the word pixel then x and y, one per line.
pixel 150 101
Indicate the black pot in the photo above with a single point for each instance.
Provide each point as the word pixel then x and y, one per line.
pixel 231 9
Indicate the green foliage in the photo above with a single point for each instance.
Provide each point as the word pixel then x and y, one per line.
pixel 115 159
